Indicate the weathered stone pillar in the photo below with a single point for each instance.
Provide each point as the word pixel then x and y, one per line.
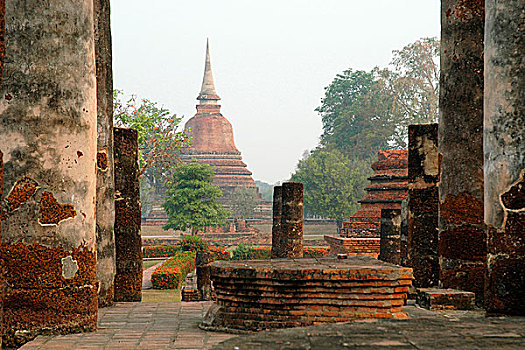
pixel 403 249
pixel 390 243
pixel 505 156
pixel 202 261
pixel 292 220
pixel 2 271
pixel 105 167
pixel 423 198
pixel 2 38
pixel 276 227
pixel 2 281
pixel 48 139
pixel 462 241
pixel 128 278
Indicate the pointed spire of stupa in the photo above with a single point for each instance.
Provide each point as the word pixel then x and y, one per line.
pixel 208 95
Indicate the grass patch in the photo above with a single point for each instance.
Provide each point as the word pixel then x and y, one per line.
pixel 146 264
pixel 166 295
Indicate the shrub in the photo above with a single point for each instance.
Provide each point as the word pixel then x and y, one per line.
pixel 261 253
pixel 241 252
pixel 309 252
pixel 245 252
pixel 170 274
pixel 193 244
pixel 160 251
pixel 219 253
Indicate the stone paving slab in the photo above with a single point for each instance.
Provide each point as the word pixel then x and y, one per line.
pixel 166 325
pixel 425 330
pixel 145 326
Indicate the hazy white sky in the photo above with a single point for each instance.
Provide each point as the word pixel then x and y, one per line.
pixel 271 60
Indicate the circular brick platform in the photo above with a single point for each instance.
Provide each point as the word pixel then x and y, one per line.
pixel 263 294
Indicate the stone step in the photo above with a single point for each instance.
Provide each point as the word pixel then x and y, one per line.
pixel 445 299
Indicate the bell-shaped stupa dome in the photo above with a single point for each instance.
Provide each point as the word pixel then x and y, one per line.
pixel 212 133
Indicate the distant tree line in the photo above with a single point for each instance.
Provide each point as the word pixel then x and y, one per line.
pixel 364 112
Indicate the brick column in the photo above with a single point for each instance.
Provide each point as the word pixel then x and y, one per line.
pixel 202 261
pixel 128 278
pixel 276 227
pixel 505 156
pixel 105 167
pixel 292 220
pixel 423 198
pixel 390 244
pixel 462 241
pixel 48 140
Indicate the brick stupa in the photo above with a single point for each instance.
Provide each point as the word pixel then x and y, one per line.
pixel 213 143
pixel 387 189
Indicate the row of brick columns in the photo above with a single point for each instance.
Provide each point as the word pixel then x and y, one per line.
pixel 466 207
pixel 59 252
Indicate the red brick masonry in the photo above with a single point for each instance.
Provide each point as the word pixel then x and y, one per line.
pixel 387 188
pixel 261 294
pixel 353 246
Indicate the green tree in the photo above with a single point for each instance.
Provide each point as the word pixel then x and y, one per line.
pixel 146 196
pixel 191 199
pixel 412 82
pixel 363 112
pixel 244 201
pixel 332 183
pixel 265 189
pixel 345 90
pixel 160 141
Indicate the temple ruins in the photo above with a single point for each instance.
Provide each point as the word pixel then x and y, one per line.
pixel 360 234
pixel 446 216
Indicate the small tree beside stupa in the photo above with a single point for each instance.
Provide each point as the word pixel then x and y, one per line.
pixel 191 199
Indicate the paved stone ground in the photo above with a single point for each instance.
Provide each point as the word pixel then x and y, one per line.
pixel 146 276
pixel 425 330
pixel 145 325
pixel 165 325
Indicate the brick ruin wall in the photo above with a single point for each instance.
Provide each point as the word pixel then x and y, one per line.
pixel 259 295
